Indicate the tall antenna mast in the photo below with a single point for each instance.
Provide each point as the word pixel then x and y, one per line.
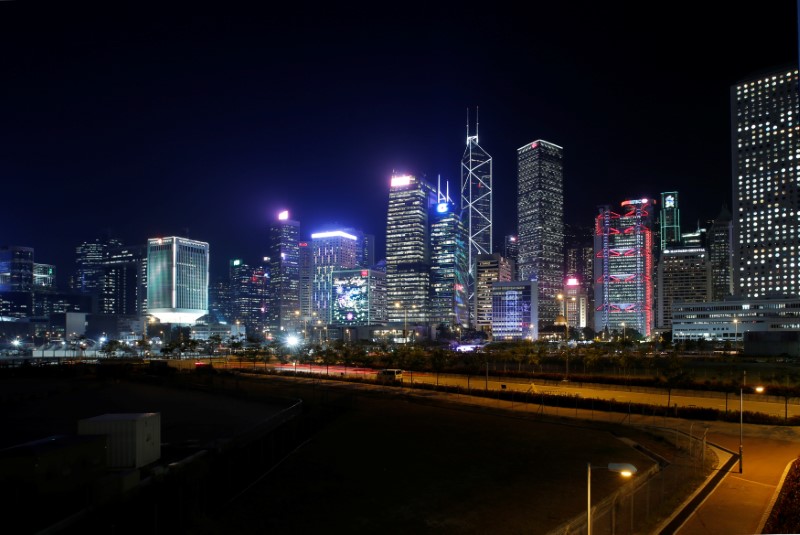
pixel 467 125
pixel 477 122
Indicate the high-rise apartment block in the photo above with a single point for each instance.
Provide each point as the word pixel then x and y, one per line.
pixel 407 249
pixel 765 149
pixel 623 267
pixel 540 212
pixel 177 279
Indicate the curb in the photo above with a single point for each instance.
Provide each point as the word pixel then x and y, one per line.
pixel 692 503
pixel 775 495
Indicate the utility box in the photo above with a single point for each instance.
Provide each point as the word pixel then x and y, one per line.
pixel 134 440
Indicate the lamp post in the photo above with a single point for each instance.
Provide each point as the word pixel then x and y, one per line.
pixel 736 335
pixel 623 332
pixel 758 389
pixel 623 469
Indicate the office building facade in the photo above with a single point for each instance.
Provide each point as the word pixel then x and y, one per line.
pixel 684 276
pixel 720 249
pixel 177 279
pixel 489 270
pixel 449 274
pixel 359 297
pixel 331 250
pixel 540 212
pixel 283 303
pixel 623 267
pixel 514 311
pixel 407 249
pixel 765 147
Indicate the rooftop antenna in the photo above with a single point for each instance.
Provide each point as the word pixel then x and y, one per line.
pixel 477 122
pixel 467 125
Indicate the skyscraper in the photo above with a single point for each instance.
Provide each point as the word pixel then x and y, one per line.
pixel 719 253
pixel 359 297
pixel 489 269
pixel 283 303
pixel 623 267
pixel 124 289
pixel 684 275
pixel 248 295
pixel 448 266
pixel 670 220
pixel 177 279
pixel 540 212
pixel 476 201
pixel 407 249
pixel 331 250
pixel 765 147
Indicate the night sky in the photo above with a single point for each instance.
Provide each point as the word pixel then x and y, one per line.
pixel 145 123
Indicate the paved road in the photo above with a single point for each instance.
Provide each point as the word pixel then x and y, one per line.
pixel 752 402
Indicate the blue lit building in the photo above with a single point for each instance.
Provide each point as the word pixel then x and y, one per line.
pixel 449 274
pixel 515 311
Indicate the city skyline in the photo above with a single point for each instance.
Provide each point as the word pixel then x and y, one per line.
pixel 153 124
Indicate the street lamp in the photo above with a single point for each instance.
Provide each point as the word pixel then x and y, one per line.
pixel 736 335
pixel 759 390
pixel 623 469
pixel 623 332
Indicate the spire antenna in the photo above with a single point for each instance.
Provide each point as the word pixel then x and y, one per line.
pixel 477 122
pixel 467 125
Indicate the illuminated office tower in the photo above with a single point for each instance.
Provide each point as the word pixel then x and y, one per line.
pixel 623 267
pixel 670 220
pixel 765 152
pixel 540 213
pixel 283 301
pixel 511 252
pixel 306 270
pixel 124 289
pixel 476 201
pixel 331 250
pixel 514 311
pixel 89 265
pixel 177 279
pixel 684 276
pixel 359 297
pixel 576 303
pixel 16 282
pixel 248 296
pixel 16 269
pixel 449 306
pixel 44 277
pixel 719 252
pixel 407 249
pixel 489 269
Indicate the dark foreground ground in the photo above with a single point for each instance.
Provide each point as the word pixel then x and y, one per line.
pixel 369 461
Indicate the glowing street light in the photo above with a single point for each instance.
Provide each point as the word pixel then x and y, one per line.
pixel 623 469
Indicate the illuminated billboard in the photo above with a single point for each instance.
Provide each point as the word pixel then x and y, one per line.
pixel 357 297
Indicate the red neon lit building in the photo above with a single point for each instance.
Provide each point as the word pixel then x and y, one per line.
pixel 623 267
